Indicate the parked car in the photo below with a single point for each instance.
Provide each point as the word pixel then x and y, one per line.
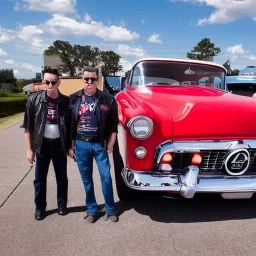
pixel 180 131
pixel 242 85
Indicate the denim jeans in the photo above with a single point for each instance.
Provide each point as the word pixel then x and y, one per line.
pixel 85 152
pixel 50 150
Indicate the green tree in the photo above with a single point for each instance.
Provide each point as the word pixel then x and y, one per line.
pixel 110 63
pixel 87 56
pixel 67 55
pixel 76 57
pixel 204 49
pixel 7 76
pixel 230 72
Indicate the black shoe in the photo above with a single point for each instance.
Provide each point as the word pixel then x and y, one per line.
pixel 63 211
pixel 39 215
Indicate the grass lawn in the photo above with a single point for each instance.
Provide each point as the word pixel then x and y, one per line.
pixel 11 96
pixel 6 122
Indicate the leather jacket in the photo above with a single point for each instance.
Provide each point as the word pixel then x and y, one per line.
pixel 36 115
pixel 105 111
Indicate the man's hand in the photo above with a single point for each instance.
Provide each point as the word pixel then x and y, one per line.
pixel 31 156
pixel 111 142
pixel 110 147
pixel 71 152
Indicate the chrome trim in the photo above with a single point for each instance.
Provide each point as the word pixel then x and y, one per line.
pixel 208 145
pixel 165 148
pixel 152 181
pixel 134 119
pixel 138 148
pixel 197 146
pixel 189 183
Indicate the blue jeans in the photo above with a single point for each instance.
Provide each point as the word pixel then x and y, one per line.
pixel 85 151
pixel 50 150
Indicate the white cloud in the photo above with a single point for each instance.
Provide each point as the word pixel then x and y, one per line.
pixel 10 62
pixel 22 66
pixel 125 50
pixel 87 18
pixel 236 49
pixel 226 10
pixel 27 38
pixel 17 6
pixel 15 71
pixel 127 65
pixel 251 57
pixel 61 25
pixel 5 35
pixel 53 6
pixel 154 39
pixel 239 57
pixel 27 33
pixel 3 53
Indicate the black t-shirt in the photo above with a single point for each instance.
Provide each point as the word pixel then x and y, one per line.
pixel 52 108
pixel 88 122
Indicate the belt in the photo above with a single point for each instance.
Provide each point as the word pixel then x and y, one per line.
pixel 88 138
pixel 48 139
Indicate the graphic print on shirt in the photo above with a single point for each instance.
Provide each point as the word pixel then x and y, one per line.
pixel 88 123
pixel 51 116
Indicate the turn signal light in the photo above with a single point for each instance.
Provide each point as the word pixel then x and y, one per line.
pixel 196 159
pixel 166 158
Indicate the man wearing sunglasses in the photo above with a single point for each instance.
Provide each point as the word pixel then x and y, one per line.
pixel 94 120
pixel 45 123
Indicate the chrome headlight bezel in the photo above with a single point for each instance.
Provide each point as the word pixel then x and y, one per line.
pixel 132 123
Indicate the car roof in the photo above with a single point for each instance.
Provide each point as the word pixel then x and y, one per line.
pixel 182 60
pixel 241 79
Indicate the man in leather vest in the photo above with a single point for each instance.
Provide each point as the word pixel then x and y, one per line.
pixel 94 120
pixel 45 123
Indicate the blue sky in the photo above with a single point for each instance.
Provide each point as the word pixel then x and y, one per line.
pixel 134 29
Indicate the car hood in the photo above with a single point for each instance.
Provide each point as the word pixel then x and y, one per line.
pixel 203 113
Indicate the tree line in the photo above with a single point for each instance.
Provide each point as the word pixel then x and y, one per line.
pixel 76 57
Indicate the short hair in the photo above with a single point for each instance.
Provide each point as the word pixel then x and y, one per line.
pixel 50 70
pixel 91 70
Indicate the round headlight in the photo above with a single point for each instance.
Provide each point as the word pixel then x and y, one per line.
pixel 141 127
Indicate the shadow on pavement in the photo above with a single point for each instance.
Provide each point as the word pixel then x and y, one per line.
pixel 208 208
pixel 200 209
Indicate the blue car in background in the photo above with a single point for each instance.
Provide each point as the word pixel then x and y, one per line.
pixel 243 84
pixel 113 84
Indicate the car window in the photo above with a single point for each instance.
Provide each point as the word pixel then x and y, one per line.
pixel 177 73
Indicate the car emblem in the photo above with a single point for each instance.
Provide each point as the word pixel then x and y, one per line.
pixel 237 162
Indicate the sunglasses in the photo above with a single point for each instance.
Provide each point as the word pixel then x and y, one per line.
pixel 51 82
pixel 93 79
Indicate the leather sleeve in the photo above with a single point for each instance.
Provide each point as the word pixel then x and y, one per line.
pixel 28 121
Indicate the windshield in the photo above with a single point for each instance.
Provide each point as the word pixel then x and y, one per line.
pixel 176 73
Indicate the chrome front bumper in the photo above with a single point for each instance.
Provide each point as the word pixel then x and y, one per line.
pixel 189 183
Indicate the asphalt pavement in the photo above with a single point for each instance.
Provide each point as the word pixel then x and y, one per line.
pixel 159 226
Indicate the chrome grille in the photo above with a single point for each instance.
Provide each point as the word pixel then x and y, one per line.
pixel 212 162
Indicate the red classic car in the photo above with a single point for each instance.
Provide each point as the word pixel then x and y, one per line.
pixel 180 131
